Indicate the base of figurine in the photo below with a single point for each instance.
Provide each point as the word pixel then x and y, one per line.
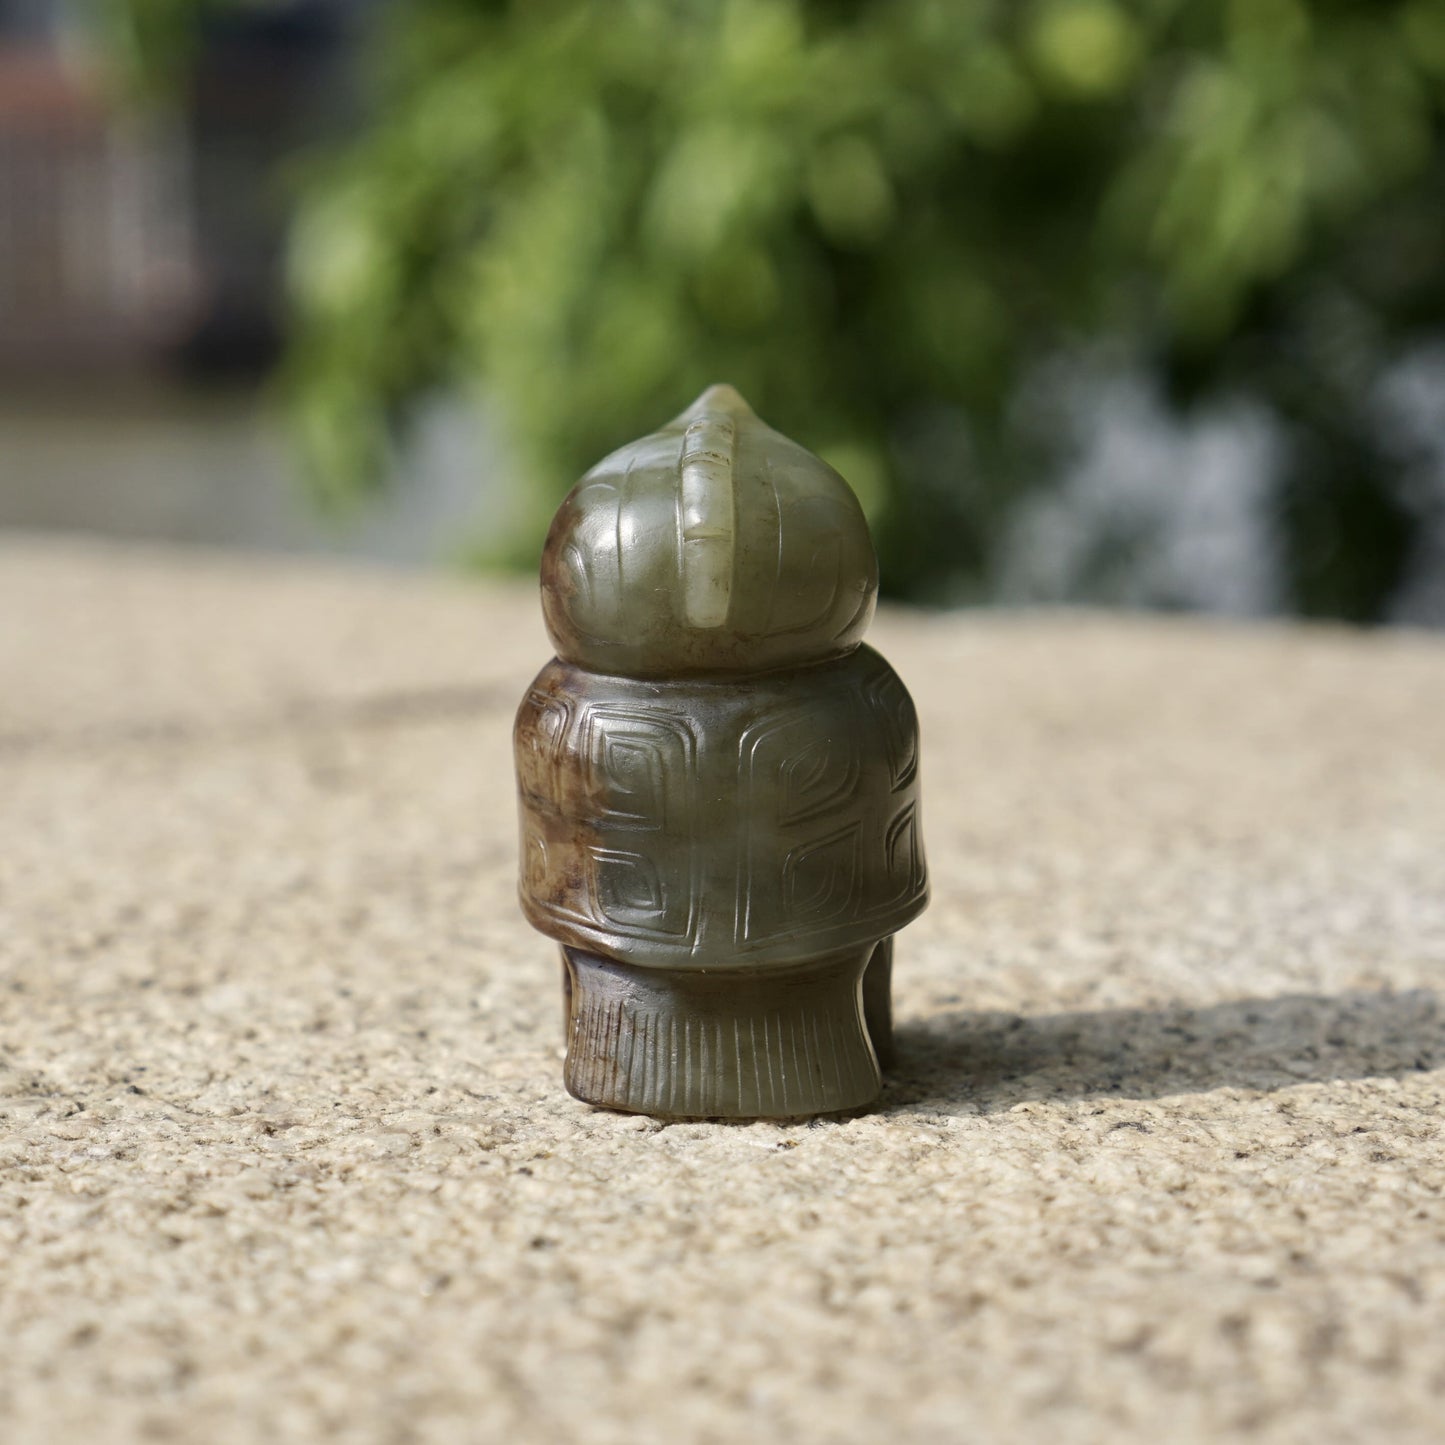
pixel 728 1043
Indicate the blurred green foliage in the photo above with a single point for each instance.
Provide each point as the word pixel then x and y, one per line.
pixel 868 214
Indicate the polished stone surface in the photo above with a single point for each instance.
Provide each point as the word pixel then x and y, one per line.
pixel 716 776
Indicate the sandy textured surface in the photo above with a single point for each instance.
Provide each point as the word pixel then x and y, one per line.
pixel 284 1154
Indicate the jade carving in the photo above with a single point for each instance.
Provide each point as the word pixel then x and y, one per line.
pixel 718 779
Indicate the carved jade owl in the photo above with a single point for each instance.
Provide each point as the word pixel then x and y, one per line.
pixel 718 779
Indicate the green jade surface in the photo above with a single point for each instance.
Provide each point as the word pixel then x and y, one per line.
pixel 718 779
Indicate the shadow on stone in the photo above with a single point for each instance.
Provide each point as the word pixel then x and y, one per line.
pixel 991 1062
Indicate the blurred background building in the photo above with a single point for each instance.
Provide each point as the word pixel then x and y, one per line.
pixel 1130 302
pixel 141 307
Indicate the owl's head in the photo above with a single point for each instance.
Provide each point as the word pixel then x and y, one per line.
pixel 713 546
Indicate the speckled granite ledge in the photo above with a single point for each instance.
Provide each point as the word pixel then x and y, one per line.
pixel 284 1153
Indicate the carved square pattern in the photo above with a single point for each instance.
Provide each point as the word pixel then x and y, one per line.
pixel 811 773
pixel 893 709
pixel 631 890
pixel 820 878
pixel 545 734
pixel 642 767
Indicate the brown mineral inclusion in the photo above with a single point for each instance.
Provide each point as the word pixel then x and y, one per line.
pixel 718 779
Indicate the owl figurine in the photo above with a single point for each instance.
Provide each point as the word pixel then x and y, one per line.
pixel 718 779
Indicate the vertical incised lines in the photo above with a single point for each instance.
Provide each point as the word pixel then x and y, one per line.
pixel 655 1056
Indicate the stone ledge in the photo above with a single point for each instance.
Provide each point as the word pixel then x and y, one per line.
pixel 284 1151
